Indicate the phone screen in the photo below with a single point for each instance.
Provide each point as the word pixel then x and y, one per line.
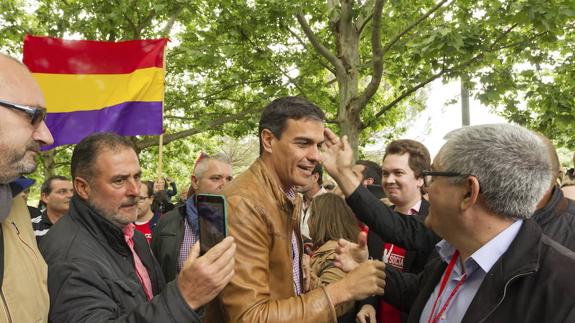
pixel 212 220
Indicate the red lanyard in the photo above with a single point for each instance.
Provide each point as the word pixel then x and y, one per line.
pixel 434 319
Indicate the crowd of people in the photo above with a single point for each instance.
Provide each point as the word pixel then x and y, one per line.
pixel 484 232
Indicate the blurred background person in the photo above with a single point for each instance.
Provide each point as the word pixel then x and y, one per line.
pixel 330 219
pixel 568 183
pixel 147 219
pixel 178 230
pixel 309 192
pixel 56 193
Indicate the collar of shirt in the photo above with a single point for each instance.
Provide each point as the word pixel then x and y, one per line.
pixel 320 192
pixel 291 193
pixel 414 210
pixel 486 256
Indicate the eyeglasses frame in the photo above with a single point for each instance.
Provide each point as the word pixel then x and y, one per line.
pixel 425 173
pixel 36 114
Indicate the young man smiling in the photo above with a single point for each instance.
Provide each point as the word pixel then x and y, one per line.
pixel 407 245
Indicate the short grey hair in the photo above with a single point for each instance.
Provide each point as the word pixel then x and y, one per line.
pixel 511 163
pixel 202 165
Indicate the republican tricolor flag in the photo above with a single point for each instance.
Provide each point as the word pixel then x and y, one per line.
pixel 94 86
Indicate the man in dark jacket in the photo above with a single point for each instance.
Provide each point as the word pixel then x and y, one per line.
pixel 56 193
pixel 99 269
pixel 493 258
pixel 403 163
pixel 177 230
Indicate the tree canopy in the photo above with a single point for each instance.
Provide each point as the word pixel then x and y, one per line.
pixel 363 61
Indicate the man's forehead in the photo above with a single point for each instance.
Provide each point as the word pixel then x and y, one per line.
pixel 396 161
pixel 215 165
pixel 61 182
pixel 305 128
pixel 106 156
pixel 17 84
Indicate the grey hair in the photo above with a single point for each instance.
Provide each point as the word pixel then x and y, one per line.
pixel 510 162
pixel 202 165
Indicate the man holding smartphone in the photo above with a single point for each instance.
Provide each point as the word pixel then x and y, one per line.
pixel 100 269
pixel 263 217
pixel 178 230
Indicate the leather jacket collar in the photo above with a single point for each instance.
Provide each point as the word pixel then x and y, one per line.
pixel 262 171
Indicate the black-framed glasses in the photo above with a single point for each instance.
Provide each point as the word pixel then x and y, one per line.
pixel 36 114
pixel 428 176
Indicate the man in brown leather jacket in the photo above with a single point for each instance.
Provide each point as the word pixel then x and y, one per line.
pixel 264 211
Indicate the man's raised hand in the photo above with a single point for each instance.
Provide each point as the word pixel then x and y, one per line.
pixel 202 278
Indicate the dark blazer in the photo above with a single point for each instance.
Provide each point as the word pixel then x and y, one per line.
pixel 167 239
pixel 557 219
pixel 91 276
pixel 531 282
pixel 408 232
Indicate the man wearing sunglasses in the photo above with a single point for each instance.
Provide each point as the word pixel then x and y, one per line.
pixel 22 132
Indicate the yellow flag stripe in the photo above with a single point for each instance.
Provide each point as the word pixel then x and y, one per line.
pixel 83 92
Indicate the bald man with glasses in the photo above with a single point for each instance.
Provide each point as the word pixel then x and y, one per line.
pixel 22 131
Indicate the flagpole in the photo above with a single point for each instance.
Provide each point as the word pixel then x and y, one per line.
pixel 160 161
pixel 161 143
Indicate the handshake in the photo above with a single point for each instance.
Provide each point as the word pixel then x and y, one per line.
pixel 364 277
pixel 352 257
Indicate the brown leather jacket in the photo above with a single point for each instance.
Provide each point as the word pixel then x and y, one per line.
pixel 261 219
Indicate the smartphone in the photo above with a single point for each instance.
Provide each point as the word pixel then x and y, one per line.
pixel 213 220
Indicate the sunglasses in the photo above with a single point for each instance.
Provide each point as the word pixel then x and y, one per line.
pixel 36 114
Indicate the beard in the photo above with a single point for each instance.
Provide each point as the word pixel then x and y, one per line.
pixel 14 163
pixel 115 217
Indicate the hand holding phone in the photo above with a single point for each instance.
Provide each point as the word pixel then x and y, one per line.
pixel 212 218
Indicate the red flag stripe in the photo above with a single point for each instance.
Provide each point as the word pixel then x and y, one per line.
pixel 59 56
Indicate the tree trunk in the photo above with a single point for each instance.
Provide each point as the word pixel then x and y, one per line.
pixel 350 126
pixel 48 162
pixel 347 50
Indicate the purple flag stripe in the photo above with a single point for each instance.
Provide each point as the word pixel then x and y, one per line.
pixel 126 119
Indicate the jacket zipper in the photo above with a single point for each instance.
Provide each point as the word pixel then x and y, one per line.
pixel 504 293
pixel 7 311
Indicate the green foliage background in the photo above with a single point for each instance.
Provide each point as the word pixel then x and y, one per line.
pixel 227 59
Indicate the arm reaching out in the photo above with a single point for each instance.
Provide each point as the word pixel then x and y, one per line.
pixel 349 254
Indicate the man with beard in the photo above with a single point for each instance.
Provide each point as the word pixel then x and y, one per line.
pixel 100 269
pixel 22 131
